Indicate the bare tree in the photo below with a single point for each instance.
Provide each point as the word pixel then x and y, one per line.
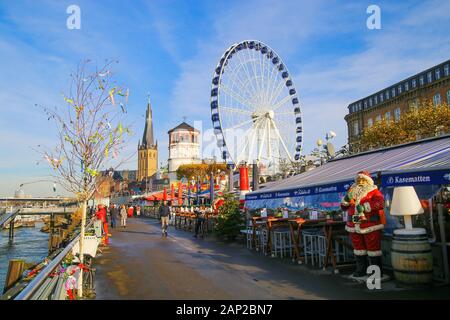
pixel 90 134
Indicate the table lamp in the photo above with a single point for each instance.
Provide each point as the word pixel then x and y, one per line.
pixel 406 203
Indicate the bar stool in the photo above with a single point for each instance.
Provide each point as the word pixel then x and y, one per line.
pixel 249 235
pixel 281 243
pixel 321 248
pixel 311 245
pixel 262 235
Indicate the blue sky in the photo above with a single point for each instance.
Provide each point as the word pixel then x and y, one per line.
pixel 170 48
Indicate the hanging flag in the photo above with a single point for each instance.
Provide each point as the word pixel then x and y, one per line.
pixel 211 188
pixel 165 194
pixel 172 193
pixel 189 194
pixel 180 193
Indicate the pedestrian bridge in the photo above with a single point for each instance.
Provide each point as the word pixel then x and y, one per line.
pixel 9 215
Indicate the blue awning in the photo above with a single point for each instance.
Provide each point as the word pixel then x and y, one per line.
pixel 425 162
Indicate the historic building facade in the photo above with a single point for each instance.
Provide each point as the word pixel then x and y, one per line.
pixel 147 150
pixel 390 103
pixel 184 147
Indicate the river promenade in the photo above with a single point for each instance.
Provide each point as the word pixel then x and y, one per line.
pixel 139 264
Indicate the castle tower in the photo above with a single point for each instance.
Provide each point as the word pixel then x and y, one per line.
pixel 184 147
pixel 147 150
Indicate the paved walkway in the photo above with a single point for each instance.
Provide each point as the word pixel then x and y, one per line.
pixel 139 264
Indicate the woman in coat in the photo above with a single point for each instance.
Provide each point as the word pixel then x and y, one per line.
pixel 123 216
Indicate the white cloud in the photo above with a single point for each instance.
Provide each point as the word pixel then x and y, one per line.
pixel 416 40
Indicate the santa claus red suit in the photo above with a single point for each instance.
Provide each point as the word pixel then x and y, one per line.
pixel 364 204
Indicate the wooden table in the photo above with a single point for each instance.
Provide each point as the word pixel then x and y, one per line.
pixel 331 230
pixel 270 223
pixel 295 227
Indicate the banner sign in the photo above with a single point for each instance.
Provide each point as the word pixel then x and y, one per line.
pixel 416 178
pixel 436 177
pixel 298 192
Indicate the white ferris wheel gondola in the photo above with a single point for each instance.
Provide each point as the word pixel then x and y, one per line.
pixel 255 108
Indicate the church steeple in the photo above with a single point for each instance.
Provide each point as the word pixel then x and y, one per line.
pixel 147 150
pixel 147 139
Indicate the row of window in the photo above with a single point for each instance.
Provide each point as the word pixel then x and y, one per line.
pixel 396 90
pixel 175 138
pixel 437 98
pixel 151 155
pixel 413 104
pixel 387 117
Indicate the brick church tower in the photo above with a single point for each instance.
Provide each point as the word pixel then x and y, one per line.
pixel 147 150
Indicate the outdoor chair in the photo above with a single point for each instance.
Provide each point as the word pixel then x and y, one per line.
pixel 313 240
pixel 262 236
pixel 321 248
pixel 249 234
pixel 281 242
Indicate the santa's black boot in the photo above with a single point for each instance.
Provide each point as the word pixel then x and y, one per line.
pixel 377 262
pixel 361 267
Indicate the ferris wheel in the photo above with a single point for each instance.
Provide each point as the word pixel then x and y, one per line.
pixel 255 107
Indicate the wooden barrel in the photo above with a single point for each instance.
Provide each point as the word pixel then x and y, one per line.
pixel 412 260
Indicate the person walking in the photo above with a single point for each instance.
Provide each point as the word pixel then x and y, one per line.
pixel 164 213
pixel 138 211
pixel 200 219
pixel 123 216
pixel 113 215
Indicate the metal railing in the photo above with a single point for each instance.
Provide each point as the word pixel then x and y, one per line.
pixel 42 286
pixel 8 216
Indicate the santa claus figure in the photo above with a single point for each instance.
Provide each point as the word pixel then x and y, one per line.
pixel 364 203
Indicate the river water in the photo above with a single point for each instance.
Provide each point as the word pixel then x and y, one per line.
pixel 29 244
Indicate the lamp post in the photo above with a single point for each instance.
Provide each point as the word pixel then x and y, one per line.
pixel 327 151
pixel 318 152
pixel 38 181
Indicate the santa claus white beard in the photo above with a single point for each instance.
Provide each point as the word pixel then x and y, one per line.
pixel 361 190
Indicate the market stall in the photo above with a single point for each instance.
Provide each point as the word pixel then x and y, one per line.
pixel 318 192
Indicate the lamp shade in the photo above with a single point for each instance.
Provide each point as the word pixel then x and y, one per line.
pixel 405 202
